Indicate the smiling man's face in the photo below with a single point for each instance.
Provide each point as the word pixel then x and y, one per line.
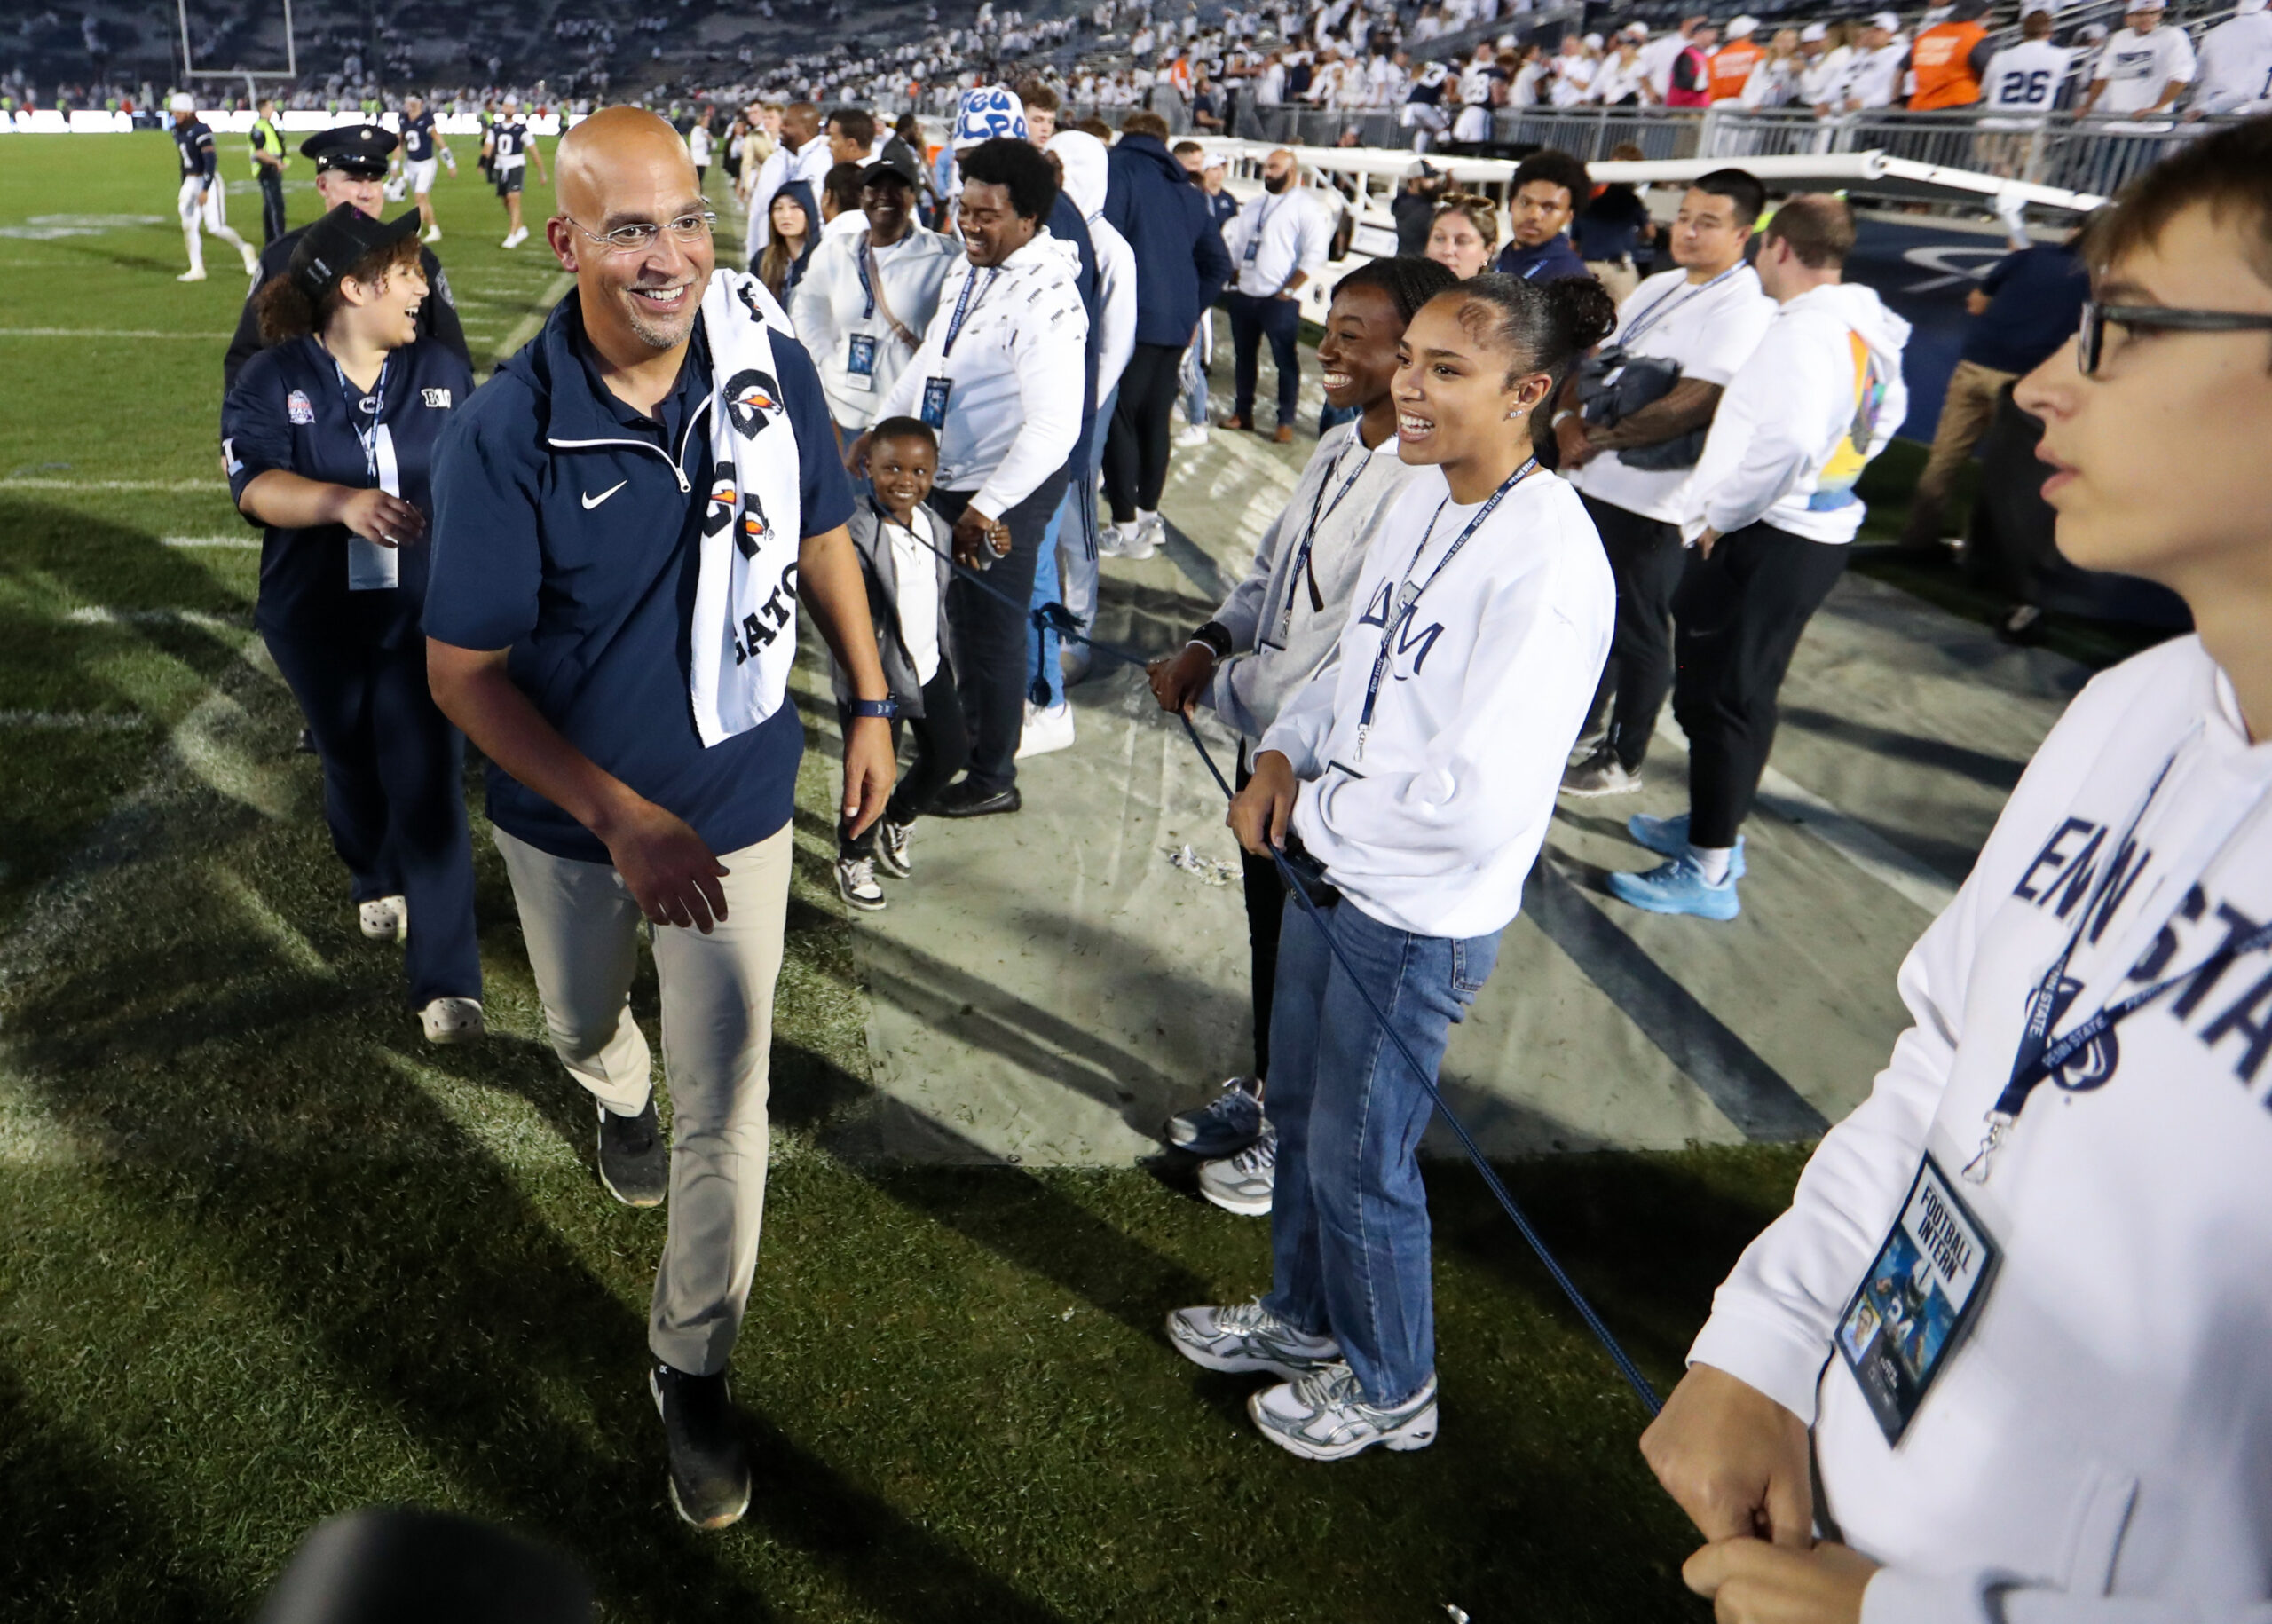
pixel 626 166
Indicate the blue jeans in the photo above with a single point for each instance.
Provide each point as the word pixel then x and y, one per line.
pixel 1194 379
pixel 1349 1234
pixel 1253 319
pixel 1076 586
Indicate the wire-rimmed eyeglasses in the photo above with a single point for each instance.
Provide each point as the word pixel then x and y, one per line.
pixel 638 236
pixel 2090 343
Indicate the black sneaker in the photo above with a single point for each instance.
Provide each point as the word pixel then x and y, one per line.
pixel 964 798
pixel 635 1163
pixel 709 1462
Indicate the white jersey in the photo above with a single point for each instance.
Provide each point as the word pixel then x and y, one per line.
pixel 2026 77
pixel 2136 69
pixel 2235 67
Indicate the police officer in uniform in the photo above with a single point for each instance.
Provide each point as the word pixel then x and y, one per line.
pixel 350 163
pixel 268 164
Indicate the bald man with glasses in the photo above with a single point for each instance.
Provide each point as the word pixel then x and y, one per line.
pixel 587 503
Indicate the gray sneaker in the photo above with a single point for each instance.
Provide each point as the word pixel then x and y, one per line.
pixel 1247 1336
pixel 1324 1416
pixel 635 1163
pixel 1242 1183
pixel 1224 1126
pixel 1600 774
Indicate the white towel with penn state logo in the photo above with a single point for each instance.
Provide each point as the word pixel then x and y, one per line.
pixel 744 628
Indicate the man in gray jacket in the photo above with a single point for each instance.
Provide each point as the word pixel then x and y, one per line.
pixel 1275 631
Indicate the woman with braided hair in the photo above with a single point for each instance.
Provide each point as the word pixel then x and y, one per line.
pixel 1278 626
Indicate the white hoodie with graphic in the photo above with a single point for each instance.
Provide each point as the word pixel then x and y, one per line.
pixel 2098 1448
pixel 1820 397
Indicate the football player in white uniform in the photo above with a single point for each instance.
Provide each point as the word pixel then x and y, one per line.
pixel 199 202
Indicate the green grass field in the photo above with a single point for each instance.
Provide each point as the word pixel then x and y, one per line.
pixel 263 1255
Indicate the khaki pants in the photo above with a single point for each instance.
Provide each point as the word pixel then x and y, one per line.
pixel 582 931
pixel 1966 412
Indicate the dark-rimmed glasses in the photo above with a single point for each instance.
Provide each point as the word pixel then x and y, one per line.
pixel 2090 343
pixel 636 238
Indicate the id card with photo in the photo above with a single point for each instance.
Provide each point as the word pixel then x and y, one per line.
pixel 935 391
pixel 860 361
pixel 1924 1289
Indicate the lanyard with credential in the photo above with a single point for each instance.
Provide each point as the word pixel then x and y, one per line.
pixel 867 284
pixel 2039 1055
pixel 356 398
pixel 1667 305
pixel 1408 595
pixel 1320 510
pixel 964 304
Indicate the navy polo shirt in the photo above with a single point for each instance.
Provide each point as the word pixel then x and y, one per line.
pixel 1548 262
pixel 563 533
pixel 2035 305
pixel 291 410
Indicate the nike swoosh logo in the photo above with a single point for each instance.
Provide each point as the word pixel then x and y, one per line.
pixel 592 502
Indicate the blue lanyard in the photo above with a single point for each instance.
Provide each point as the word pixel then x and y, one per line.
pixel 2040 1056
pixel 1407 595
pixel 1667 305
pixel 867 288
pixel 377 396
pixel 1320 510
pixel 964 305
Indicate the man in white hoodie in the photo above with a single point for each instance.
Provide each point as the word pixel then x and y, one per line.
pixel 1772 509
pixel 2087 1437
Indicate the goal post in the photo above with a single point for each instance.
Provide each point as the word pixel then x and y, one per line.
pixel 252 76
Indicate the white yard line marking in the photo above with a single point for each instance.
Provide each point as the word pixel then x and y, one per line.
pixel 232 541
pixel 1863 846
pixel 203 619
pixel 114 484
pixel 526 327
pixel 108 333
pixel 72 721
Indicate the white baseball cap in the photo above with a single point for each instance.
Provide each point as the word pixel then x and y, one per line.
pixel 1892 24
pixel 1593 42
pixel 1637 30
pixel 1740 26
pixel 181 101
pixel 1813 33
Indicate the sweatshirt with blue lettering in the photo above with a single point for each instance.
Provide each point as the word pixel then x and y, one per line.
pixel 2097 1448
pixel 1431 820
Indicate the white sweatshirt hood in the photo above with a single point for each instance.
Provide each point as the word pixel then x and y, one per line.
pixel 1861 309
pixel 1086 171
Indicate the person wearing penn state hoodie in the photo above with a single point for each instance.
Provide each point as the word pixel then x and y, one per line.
pixel 2079 1430
pixel 1276 628
pixel 1410 784
pixel 626 518
pixel 1000 378
pixel 1772 512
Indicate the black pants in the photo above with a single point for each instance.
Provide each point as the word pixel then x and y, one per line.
pixel 393 794
pixel 1645 556
pixel 990 632
pixel 942 750
pixel 1136 446
pixel 1266 911
pixel 1739 615
pixel 1252 320
pixel 271 205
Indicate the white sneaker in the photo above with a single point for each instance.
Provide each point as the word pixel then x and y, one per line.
pixel 891 848
pixel 433 235
pixel 1243 1182
pixel 1151 531
pixel 195 273
pixel 855 883
pixel 385 918
pixel 1048 728
pixel 252 261
pixel 514 239
pixel 1192 438
pixel 1323 1417
pixel 453 1021
pixel 1247 1338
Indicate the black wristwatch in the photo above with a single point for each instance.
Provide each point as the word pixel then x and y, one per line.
pixel 885 708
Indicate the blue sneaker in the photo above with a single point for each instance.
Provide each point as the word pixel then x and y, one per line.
pixel 1678 886
pixel 1667 837
pixel 1224 1126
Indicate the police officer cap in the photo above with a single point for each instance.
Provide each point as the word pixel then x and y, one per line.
pixel 359 150
pixel 337 243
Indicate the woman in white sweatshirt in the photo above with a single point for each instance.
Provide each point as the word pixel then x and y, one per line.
pixel 2048 1401
pixel 1412 779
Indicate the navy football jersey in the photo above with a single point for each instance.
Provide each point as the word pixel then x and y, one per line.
pixel 194 142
